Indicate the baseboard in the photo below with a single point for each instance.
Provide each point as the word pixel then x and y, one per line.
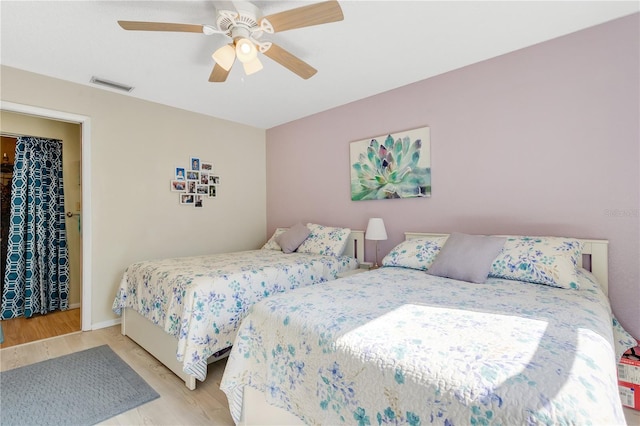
pixel 105 324
pixel 74 306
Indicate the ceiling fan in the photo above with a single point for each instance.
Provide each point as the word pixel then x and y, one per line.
pixel 245 26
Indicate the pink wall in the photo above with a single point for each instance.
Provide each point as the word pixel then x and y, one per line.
pixel 542 141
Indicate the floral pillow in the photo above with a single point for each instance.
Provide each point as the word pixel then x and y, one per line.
pixel 325 240
pixel 417 253
pixel 272 244
pixel 541 260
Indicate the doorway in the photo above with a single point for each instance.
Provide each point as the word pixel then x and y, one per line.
pixel 15 125
pixel 79 170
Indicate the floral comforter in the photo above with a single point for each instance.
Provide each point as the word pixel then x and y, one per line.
pixel 201 300
pixel 398 346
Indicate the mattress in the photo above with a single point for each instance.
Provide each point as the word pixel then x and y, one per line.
pixel 398 346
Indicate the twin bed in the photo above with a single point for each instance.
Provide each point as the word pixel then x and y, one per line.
pixel 535 344
pixel 186 311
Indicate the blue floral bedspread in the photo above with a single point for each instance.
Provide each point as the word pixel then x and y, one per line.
pixel 201 300
pixel 398 346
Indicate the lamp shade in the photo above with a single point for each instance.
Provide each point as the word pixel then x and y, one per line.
pixel 252 66
pixel 375 230
pixel 225 56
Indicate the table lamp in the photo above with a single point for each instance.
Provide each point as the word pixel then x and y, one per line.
pixel 375 232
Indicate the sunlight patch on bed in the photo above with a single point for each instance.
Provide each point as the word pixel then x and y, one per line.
pixel 500 346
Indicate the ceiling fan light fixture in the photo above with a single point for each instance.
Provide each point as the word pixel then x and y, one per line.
pixel 252 66
pixel 225 56
pixel 245 50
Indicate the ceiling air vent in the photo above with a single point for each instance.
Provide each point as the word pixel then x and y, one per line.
pixel 111 84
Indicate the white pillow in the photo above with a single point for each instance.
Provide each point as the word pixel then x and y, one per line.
pixel 330 241
pixel 540 260
pixel 417 253
pixel 272 244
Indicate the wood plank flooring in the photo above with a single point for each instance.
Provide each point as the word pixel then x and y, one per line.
pixel 176 406
pixel 24 330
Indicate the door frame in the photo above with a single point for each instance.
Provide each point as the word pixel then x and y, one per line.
pixel 85 143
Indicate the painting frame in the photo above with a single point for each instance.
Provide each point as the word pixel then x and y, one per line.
pixel 193 175
pixel 391 166
pixel 187 199
pixel 180 174
pixel 178 185
pixel 194 163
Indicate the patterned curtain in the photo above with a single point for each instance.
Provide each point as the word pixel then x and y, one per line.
pixel 37 270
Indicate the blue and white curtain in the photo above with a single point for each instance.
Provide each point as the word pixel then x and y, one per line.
pixel 36 277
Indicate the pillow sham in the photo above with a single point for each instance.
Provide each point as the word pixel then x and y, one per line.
pixel 291 239
pixel 271 244
pixel 550 261
pixel 327 240
pixel 467 257
pixel 417 253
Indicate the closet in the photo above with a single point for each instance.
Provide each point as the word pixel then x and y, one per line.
pixel 12 126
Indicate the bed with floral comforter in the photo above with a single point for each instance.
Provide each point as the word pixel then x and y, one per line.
pixel 201 300
pixel 398 346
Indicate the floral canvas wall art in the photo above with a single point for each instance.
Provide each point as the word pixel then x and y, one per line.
pixel 396 165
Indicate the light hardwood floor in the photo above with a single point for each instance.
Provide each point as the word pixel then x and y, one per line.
pixel 24 330
pixel 176 406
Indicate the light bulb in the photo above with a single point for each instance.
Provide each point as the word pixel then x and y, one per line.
pixel 245 50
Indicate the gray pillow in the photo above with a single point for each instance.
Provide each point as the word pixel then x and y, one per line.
pixel 467 257
pixel 293 237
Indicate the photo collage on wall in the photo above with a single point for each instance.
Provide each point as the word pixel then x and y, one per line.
pixel 195 183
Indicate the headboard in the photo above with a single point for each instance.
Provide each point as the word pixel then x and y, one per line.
pixel 355 245
pixel 596 250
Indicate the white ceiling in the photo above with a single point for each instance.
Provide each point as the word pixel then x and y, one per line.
pixel 380 45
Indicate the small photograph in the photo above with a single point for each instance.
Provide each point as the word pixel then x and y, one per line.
pixel 194 163
pixel 202 189
pixel 180 173
pixel 178 185
pixel 214 180
pixel 204 178
pixel 193 175
pixel 191 186
pixel 187 199
pixel 212 191
pixel 198 200
pixel 206 166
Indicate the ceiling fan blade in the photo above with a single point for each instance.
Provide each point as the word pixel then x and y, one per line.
pixel 305 16
pixel 218 74
pixel 289 61
pixel 161 26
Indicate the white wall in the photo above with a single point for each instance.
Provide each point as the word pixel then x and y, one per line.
pixel 135 147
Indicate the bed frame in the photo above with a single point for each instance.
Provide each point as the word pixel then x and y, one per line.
pixel 163 346
pixel 263 413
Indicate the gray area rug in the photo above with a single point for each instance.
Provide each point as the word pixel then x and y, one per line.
pixel 82 388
